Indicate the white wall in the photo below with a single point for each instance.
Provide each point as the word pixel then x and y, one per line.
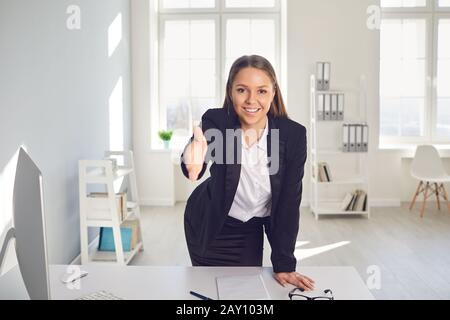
pixel 155 172
pixel 318 30
pixel 336 31
pixel 56 93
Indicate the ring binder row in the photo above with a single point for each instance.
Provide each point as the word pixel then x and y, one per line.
pixel 330 106
pixel 323 76
pixel 355 137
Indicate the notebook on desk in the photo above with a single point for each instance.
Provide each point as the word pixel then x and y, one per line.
pixel 248 287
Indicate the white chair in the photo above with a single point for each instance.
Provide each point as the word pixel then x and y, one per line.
pixel 428 169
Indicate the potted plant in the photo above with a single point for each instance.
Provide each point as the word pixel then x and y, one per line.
pixel 165 136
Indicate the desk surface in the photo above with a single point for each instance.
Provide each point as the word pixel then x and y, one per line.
pixel 174 283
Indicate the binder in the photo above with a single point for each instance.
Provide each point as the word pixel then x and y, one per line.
pixel 328 172
pixel 357 197
pixel 365 138
pixel 322 174
pixel 326 76
pixel 345 138
pixel 352 202
pixel 341 107
pixel 365 203
pixel 319 107
pixel 334 107
pixel 319 76
pixel 327 107
pixel 359 132
pixel 106 239
pixel 361 201
pixel 346 202
pixel 352 140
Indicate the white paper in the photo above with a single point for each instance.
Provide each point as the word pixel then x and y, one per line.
pixel 250 287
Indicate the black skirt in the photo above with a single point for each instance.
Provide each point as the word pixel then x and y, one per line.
pixel 237 244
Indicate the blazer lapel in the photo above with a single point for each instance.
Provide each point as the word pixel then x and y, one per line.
pixel 233 171
pixel 275 179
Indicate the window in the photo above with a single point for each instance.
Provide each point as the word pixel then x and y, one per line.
pixel 403 3
pixel 188 68
pixel 443 79
pixel 198 42
pixel 415 72
pixel 184 4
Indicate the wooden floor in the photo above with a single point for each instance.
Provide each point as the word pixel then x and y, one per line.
pixel 412 254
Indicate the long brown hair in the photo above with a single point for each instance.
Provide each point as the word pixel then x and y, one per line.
pixel 277 108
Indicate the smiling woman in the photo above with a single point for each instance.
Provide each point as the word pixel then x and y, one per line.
pixel 226 215
pixel 253 91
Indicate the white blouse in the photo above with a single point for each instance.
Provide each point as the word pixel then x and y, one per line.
pixel 253 195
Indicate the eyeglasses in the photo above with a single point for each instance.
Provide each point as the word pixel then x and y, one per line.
pixel 295 294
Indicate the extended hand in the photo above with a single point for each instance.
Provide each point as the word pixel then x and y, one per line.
pixel 295 279
pixel 194 155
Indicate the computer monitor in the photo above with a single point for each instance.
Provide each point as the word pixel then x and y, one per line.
pixel 28 228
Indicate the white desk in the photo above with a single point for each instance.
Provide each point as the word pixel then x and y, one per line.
pixel 174 283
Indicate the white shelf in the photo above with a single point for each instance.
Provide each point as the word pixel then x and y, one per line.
pixel 324 201
pixel 335 152
pixel 109 222
pixel 130 215
pixel 331 208
pixel 132 205
pixel 111 257
pixel 104 211
pixel 99 175
pixel 330 91
pixel 341 182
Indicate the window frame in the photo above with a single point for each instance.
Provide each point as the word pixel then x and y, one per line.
pixel 406 10
pixel 431 13
pixel 220 7
pixel 437 17
pixel 428 68
pixel 178 17
pixel 163 10
pixel 229 16
pixel 220 14
pixel 275 8
pixel 439 9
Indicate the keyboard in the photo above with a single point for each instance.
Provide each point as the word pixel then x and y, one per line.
pixel 100 295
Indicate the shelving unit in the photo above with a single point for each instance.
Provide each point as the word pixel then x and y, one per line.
pixel 103 212
pixel 321 203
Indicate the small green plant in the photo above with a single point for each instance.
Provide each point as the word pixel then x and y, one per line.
pixel 165 135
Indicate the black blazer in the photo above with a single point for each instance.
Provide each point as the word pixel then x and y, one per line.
pixel 209 204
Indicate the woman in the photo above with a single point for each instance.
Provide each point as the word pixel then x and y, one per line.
pixel 259 189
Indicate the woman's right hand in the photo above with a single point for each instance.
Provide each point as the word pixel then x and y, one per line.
pixel 195 153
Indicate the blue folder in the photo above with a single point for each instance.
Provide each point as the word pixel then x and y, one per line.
pixel 106 242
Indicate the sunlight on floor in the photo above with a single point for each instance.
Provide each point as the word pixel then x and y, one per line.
pixel 307 253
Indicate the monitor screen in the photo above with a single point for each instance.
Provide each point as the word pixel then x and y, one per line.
pixel 7 256
pixel 29 224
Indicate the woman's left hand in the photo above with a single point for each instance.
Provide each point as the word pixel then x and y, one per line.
pixel 295 279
